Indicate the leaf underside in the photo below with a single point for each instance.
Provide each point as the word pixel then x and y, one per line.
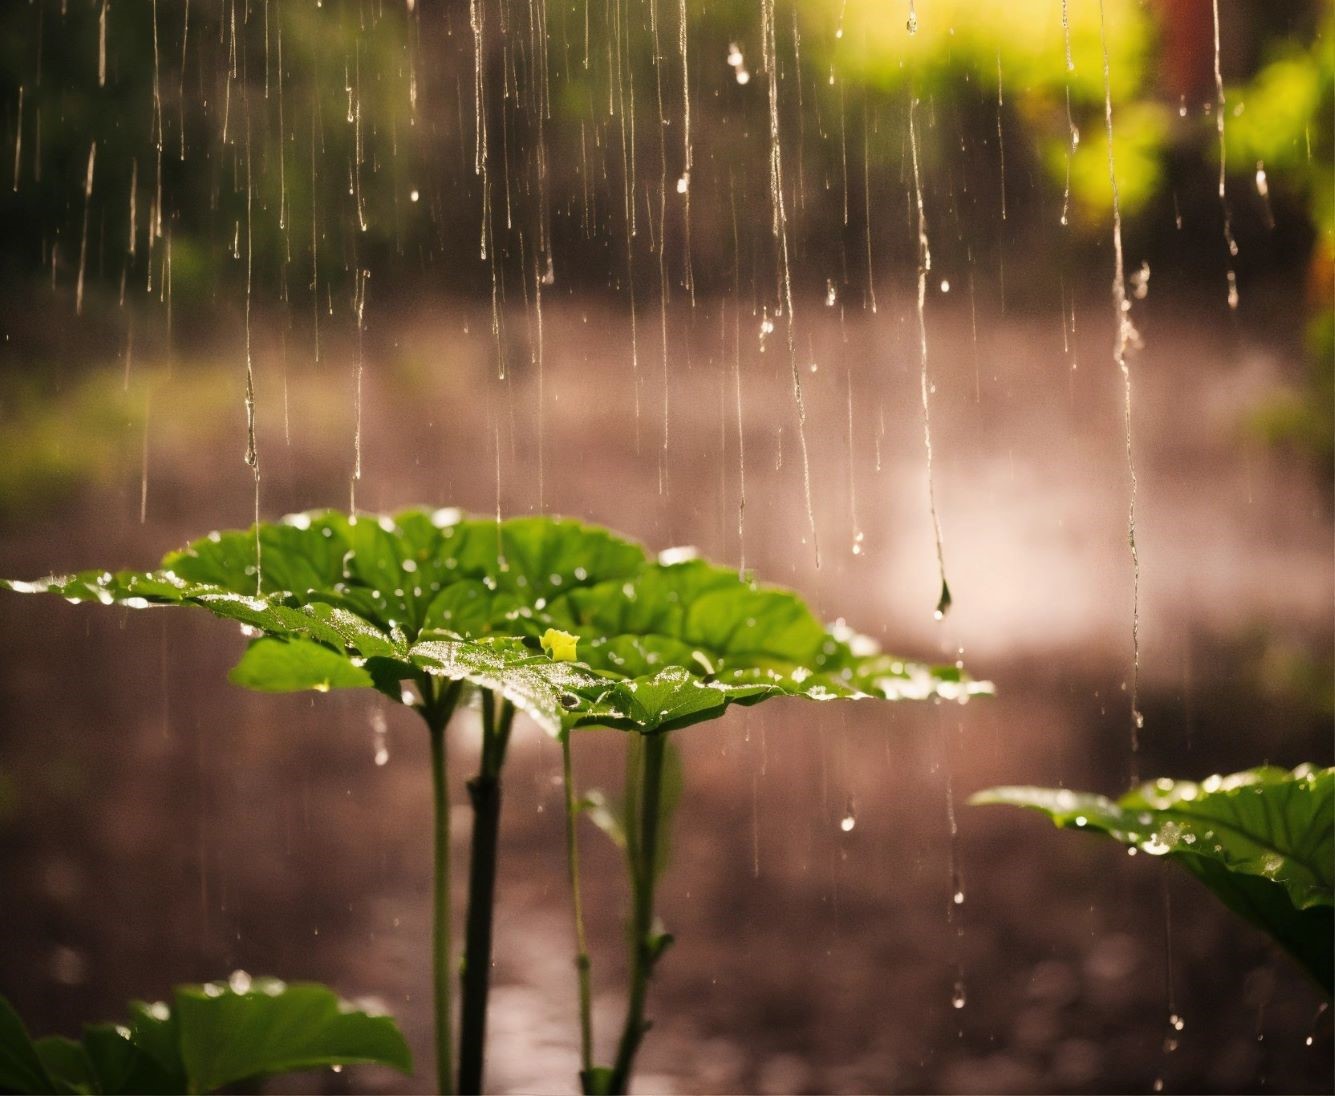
pixel 213 1035
pixel 334 602
pixel 1263 840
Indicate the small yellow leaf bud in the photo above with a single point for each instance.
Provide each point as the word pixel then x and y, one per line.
pixel 559 645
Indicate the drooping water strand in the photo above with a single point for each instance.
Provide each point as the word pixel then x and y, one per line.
pixel 1001 138
pixel 83 240
pixel 480 152
pixel 143 466
pixel 539 361
pixel 866 216
pixel 1072 132
pixel 155 222
pixel 857 536
pixel 626 127
pixel 741 449
pixel 315 233
pixel 924 268
pixel 252 450
pixel 684 182
pixel 359 306
pixel 18 140
pixel 185 38
pixel 102 46
pixel 779 224
pixel 1126 338
pixel 1230 244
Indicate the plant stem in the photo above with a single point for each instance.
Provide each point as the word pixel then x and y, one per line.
pixel 577 904
pixel 644 869
pixel 484 791
pixel 436 710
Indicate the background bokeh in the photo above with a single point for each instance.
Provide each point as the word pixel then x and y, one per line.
pixel 461 245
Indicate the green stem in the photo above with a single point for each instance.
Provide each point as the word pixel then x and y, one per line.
pixel 484 791
pixel 436 710
pixel 644 869
pixel 577 904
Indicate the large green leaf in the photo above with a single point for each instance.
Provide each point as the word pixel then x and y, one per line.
pixel 215 1035
pixel 338 601
pixel 228 1036
pixel 1263 840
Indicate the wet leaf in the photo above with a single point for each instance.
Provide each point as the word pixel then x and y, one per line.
pixel 227 1036
pixel 215 1035
pixel 291 665
pixel 339 602
pixel 67 1061
pixel 1263 840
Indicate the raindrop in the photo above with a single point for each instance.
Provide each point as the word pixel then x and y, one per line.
pixel 1140 282
pixel 958 998
pixel 379 737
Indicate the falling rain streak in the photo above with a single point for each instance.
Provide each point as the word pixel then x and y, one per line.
pixel 780 232
pixel 467 157
pixel 924 380
pixel 1230 244
pixel 1126 338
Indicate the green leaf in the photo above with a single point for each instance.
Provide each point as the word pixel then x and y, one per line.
pixel 154 1031
pixel 341 602
pixel 1263 840
pixel 21 1068
pixel 67 1063
pixel 122 1066
pixel 217 1034
pixel 291 665
pixel 1307 934
pixel 228 1036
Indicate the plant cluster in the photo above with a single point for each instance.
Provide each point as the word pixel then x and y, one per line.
pixel 565 622
pixel 576 627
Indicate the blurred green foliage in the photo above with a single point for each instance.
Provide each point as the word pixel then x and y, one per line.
pixel 290 145
pixel 1284 124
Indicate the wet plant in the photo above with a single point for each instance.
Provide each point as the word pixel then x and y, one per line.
pixel 208 1037
pixel 1261 840
pixel 564 621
